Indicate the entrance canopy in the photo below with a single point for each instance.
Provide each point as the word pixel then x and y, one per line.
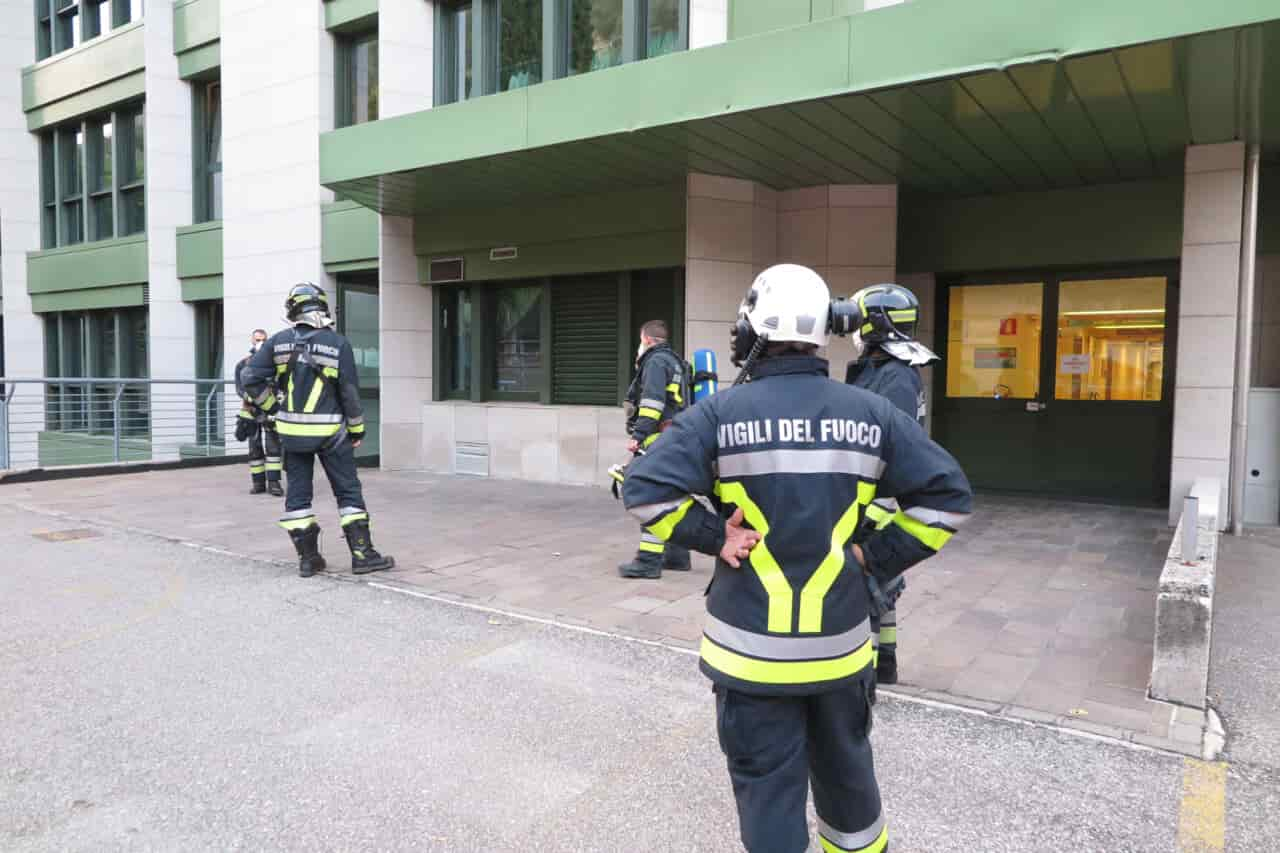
pixel 938 96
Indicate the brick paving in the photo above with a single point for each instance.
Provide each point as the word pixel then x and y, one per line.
pixel 1038 604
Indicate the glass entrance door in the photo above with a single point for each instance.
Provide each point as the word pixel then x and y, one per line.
pixel 358 322
pixel 1078 405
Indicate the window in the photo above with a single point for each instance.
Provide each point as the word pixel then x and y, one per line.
pixel 64 24
pixel 208 153
pixel 519 43
pixel 555 340
pixel 488 46
pixel 132 159
pixel 209 397
pixel 91 179
pixel 993 341
pixel 517 329
pixel 595 35
pixel 71 171
pixel 1111 339
pixel 101 344
pixel 358 80
pixel 101 204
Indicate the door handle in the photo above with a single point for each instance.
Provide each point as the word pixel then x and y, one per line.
pixel 1036 406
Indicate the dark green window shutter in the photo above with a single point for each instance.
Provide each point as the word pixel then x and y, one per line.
pixel 584 341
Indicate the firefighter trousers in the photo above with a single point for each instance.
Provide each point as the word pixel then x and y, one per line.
pixel 778 746
pixel 339 463
pixel 265 462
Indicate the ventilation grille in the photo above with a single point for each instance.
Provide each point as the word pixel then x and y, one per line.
pixel 443 270
pixel 146 293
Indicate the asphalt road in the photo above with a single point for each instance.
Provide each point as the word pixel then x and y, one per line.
pixel 158 697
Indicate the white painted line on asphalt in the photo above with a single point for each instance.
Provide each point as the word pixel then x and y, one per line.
pixel 902 697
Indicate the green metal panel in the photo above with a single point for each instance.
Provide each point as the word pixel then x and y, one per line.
pixel 200 250
pixel 92 100
pixel 555 221
pixel 91 265
pixel 600 254
pixel 200 60
pixel 584 340
pixel 201 287
pixel 1127 222
pixel 89 299
pixel 195 23
pixel 340 14
pixel 1056 95
pixel 117 54
pixel 752 17
pixel 349 232
pixel 366 265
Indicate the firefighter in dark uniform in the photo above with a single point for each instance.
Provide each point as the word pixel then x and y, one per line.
pixel 656 395
pixel 259 429
pixel 318 414
pixel 793 459
pixel 888 364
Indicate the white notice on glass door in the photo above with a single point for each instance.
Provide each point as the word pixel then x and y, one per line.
pixel 1074 365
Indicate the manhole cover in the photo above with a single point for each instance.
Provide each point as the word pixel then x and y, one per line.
pixel 66 535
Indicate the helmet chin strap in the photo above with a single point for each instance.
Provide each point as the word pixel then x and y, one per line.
pixel 744 375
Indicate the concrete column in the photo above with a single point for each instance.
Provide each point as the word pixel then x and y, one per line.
pixel 1210 279
pixel 708 22
pixel 171 324
pixel 848 234
pixel 405 340
pixel 19 195
pixel 406 59
pixel 731 236
pixel 277 98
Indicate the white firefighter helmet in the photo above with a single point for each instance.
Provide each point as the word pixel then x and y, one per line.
pixel 788 303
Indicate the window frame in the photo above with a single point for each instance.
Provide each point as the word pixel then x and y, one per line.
pixel 556 40
pixel 126 140
pixel 346 86
pixel 53 176
pixel 203 168
pixel 482 377
pixel 88 23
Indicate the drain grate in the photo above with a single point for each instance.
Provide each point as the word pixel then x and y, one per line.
pixel 66 535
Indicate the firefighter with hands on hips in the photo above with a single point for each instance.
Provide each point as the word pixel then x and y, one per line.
pixel 656 395
pixel 317 414
pixel 258 428
pixel 888 363
pixel 793 459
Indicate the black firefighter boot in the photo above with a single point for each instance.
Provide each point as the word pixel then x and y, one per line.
pixel 646 565
pixel 259 486
pixel 676 559
pixel 307 544
pixel 364 558
pixel 887 667
pixel 275 489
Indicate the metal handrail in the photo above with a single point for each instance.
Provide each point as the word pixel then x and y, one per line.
pixel 88 420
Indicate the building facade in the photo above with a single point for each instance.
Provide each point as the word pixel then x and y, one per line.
pixel 497 193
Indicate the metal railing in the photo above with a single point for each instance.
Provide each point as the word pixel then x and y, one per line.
pixel 90 421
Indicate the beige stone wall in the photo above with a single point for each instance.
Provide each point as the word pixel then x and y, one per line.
pixel 405 324
pixel 524 441
pixel 1210 279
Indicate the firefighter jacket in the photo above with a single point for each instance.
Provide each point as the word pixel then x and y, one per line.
pixel 314 371
pixel 656 394
pixel 802 457
pixel 899 382
pixel 248 411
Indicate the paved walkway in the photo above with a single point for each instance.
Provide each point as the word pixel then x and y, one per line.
pixel 1041 605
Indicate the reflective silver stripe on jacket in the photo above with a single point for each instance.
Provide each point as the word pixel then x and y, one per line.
pixel 852 840
pixel 649 513
pixel 325 360
pixel 303 418
pixel 356 421
pixel 282 357
pixel 935 516
pixel 819 461
pixel 650 403
pixel 773 647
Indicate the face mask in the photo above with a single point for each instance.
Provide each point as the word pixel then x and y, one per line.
pixel 859 345
pixel 255 346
